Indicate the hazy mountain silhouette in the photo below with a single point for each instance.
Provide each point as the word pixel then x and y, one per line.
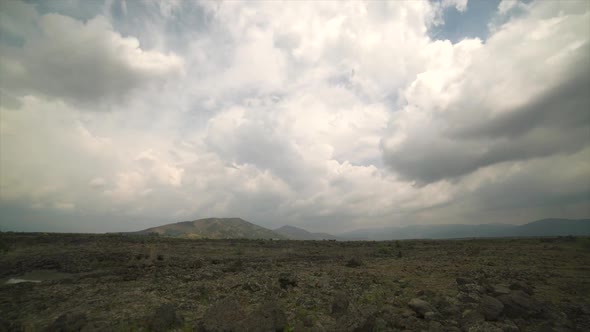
pixel 234 228
pixel 295 233
pixel 544 227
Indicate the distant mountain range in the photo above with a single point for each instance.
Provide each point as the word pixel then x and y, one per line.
pixel 294 233
pixel 545 227
pixel 231 228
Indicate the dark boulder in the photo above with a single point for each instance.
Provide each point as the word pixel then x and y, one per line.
pixel 68 322
pixel 471 317
pixel 490 307
pixel 520 304
pixel 164 318
pixel 523 286
pixel 420 306
pixel 463 281
pixel 500 290
pixel 484 327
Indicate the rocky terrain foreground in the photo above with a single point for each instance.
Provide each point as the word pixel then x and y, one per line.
pixel 148 283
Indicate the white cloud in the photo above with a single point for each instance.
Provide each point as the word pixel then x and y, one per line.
pixel 506 5
pixel 479 107
pixel 327 115
pixel 84 62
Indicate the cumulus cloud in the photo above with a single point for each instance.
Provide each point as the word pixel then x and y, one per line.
pixel 498 108
pixel 85 62
pixel 506 5
pixel 352 117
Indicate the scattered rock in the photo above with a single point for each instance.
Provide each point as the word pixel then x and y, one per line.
pixel 484 327
pixel 251 286
pixel 421 307
pixel 68 322
pixel 164 318
pixel 520 304
pixel 8 326
pixel 523 286
pixel 434 326
pixel 500 290
pixel 470 318
pixel 425 293
pixel 550 327
pixel 372 323
pixel 468 298
pixel 4 325
pixel 225 315
pixel 490 307
pixel 559 318
pixel 449 306
pixel 463 281
pixel 472 288
pixel 407 313
pixel 509 326
pixel 429 316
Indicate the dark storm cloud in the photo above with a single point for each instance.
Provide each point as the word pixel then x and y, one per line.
pixel 564 107
pixel 555 122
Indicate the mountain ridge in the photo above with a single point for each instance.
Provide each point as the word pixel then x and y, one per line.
pixel 296 233
pixel 542 227
pixel 235 228
pixel 214 228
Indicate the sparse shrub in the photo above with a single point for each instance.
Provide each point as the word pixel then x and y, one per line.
pixel 373 295
pixel 583 243
pixel 196 264
pixel 153 255
pixel 397 244
pixel 236 266
pixel 340 304
pixel 4 247
pixel 286 280
pixel 384 251
pixel 354 262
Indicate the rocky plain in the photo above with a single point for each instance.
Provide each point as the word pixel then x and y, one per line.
pixel 115 282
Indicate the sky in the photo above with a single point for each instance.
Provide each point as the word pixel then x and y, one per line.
pixel 331 116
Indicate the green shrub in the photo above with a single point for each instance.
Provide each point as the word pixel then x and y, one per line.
pixel 384 251
pixel 583 243
pixel 4 247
